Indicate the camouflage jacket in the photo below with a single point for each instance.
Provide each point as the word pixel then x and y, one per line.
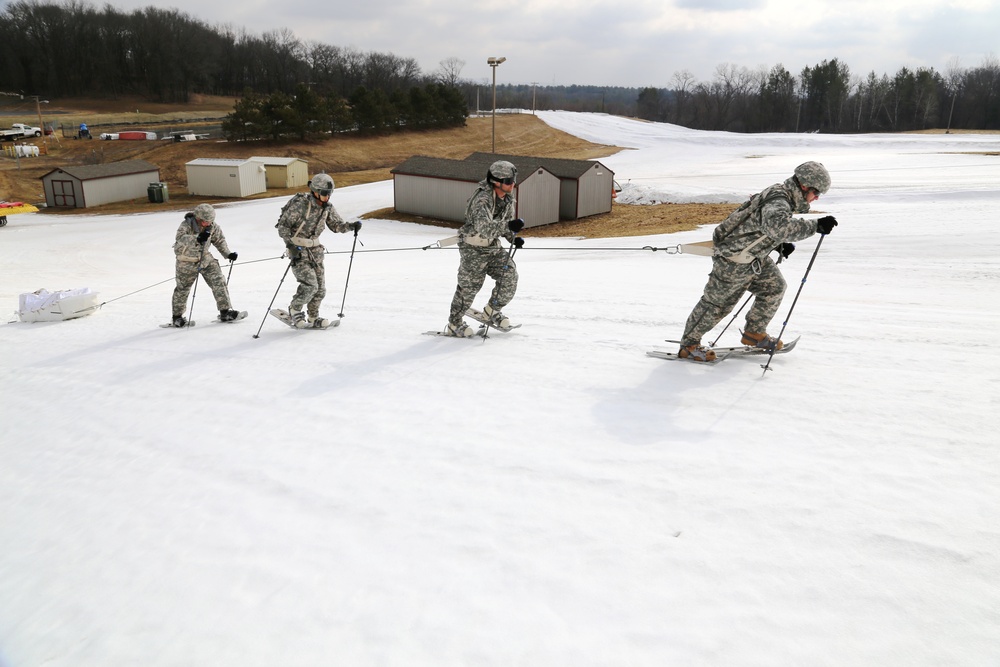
pixel 762 223
pixel 303 218
pixel 187 248
pixel 486 217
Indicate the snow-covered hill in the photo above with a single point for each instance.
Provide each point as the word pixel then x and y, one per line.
pixel 368 495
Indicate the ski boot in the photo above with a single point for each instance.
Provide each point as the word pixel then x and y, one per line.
pixel 761 341
pixel 299 320
pixel 696 353
pixel 497 319
pixel 463 330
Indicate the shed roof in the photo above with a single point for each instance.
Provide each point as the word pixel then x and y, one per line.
pixel 471 170
pixel 88 172
pixel 219 161
pixel 437 167
pixel 561 167
pixel 276 160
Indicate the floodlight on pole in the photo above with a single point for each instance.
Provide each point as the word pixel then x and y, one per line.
pixel 41 124
pixel 493 62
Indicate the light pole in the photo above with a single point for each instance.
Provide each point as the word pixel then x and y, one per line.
pixel 41 125
pixel 493 62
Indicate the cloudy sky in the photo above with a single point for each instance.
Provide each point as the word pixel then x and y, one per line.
pixel 631 42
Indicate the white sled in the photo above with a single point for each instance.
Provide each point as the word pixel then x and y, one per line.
pixel 45 306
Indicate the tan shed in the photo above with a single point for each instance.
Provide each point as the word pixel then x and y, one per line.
pixel 284 172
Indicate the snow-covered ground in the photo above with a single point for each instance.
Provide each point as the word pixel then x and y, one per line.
pixel 368 495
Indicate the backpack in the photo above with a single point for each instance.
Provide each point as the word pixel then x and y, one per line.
pixel 750 207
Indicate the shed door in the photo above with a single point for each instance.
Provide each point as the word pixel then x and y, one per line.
pixel 63 193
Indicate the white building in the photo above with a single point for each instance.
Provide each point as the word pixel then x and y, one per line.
pixel 440 188
pixel 94 185
pixel 226 177
pixel 548 189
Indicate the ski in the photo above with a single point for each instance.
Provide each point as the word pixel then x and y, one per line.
pixel 285 318
pixel 170 325
pixel 445 334
pixel 482 318
pixel 750 351
pixel 672 356
pixel 723 352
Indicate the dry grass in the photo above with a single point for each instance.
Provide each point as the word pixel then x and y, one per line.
pixel 351 161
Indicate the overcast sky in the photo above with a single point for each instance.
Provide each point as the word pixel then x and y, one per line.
pixel 630 42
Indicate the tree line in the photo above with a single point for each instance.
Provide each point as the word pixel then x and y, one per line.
pixel 306 114
pixel 827 98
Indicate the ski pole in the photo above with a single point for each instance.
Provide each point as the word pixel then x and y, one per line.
pixel 230 274
pixel 194 291
pixel 506 268
pixel 784 324
pixel 737 313
pixel 350 263
pixel 257 335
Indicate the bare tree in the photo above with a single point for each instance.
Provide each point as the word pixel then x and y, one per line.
pixel 449 71
pixel 683 82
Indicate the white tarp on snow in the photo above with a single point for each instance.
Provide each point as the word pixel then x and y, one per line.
pixel 45 306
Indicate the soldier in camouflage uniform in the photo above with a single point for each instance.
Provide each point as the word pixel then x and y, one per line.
pixel 302 221
pixel 488 216
pixel 742 243
pixel 195 234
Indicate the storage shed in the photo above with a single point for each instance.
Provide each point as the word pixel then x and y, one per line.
pixel 94 185
pixel 440 188
pixel 225 177
pixel 586 186
pixel 285 172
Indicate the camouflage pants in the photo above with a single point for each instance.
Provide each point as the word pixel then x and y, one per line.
pixel 726 285
pixel 187 273
pixel 309 271
pixel 476 264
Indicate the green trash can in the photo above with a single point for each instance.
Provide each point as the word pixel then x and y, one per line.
pixel 155 193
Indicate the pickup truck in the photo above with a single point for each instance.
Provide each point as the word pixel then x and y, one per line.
pixel 19 130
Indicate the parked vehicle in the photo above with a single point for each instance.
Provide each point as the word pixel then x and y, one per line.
pixel 19 131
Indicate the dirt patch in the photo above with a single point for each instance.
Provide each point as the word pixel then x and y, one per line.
pixel 623 220
pixel 350 160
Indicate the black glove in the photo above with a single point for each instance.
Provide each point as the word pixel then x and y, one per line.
pixel 204 236
pixel 355 226
pixel 232 256
pixel 826 224
pixel 515 225
pixel 294 252
pixel 518 242
pixel 786 249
